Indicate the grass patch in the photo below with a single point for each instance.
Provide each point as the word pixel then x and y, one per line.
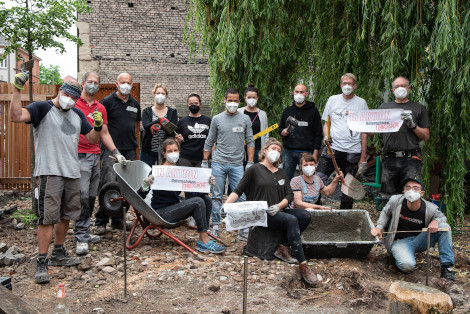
pixel 27 216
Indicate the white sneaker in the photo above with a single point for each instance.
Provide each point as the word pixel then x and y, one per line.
pixel 82 248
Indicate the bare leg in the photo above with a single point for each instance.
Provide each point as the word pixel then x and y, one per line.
pixel 204 237
pixel 61 229
pixel 44 238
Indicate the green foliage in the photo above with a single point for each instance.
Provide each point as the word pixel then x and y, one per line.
pixel 38 24
pixel 277 43
pixel 50 75
pixel 28 217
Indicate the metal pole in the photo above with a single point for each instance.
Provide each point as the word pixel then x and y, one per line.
pixel 245 282
pixel 124 249
pixel 427 255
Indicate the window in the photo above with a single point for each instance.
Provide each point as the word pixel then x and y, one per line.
pixel 3 63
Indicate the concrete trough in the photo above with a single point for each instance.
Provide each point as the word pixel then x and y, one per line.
pixel 340 233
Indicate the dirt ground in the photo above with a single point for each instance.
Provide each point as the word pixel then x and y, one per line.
pixel 164 278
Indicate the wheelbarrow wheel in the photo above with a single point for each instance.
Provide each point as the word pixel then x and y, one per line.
pixel 108 192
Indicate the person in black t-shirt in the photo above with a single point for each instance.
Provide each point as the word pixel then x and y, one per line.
pixel 409 212
pixel 266 182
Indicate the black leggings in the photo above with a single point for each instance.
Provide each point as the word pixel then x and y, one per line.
pixel 200 208
pixel 293 221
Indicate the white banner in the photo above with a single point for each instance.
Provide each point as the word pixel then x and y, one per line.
pixel 186 179
pixel 375 121
pixel 245 214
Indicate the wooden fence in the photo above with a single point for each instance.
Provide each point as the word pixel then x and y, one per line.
pixel 15 161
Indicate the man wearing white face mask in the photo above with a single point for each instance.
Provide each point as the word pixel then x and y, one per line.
pixel 57 128
pixel 124 118
pixel 229 130
pixel 350 148
pixel 410 212
pixel 401 151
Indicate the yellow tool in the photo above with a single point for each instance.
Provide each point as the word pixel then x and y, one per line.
pixel 272 127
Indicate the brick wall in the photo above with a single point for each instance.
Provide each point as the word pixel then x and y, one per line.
pixel 144 38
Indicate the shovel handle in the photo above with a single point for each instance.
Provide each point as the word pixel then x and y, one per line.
pixel 333 159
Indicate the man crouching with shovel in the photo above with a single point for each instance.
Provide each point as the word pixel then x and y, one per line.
pixel 407 217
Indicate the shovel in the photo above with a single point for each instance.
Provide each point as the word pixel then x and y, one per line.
pixel 350 185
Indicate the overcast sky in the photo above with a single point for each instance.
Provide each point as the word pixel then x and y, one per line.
pixel 66 61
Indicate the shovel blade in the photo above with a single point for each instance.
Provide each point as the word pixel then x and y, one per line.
pixel 353 188
pixel 28 65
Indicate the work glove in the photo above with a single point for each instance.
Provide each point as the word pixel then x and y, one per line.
pixel 155 128
pixel 222 212
pixel 21 79
pixel 327 138
pixel 119 158
pixel 205 164
pixel 98 120
pixel 212 180
pixel 407 117
pixel 248 165
pixel 147 183
pixel 361 167
pixel 273 210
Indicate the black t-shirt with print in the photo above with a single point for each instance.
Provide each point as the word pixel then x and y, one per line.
pixel 410 220
pixel 256 126
pixel 194 131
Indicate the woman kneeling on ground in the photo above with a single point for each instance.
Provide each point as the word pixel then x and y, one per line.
pixel 167 203
pixel 266 182
pixel 308 186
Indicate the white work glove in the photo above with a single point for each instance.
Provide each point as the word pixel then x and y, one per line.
pixel 407 117
pixel 205 164
pixel 273 210
pixel 327 138
pixel 119 158
pixel 212 180
pixel 248 165
pixel 147 183
pixel 361 167
pixel 222 212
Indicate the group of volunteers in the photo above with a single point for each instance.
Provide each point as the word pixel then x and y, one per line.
pixel 77 140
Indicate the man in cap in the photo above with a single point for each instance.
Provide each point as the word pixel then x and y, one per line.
pixel 57 128
pixel 409 212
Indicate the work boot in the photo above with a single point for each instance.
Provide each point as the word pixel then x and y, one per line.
pixel 59 257
pixel 99 230
pixel 95 238
pixel 283 253
pixel 447 272
pixel 42 271
pixel 308 275
pixel 118 226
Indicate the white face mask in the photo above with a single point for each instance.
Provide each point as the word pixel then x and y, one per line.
pixel 299 98
pixel 347 89
pixel 66 102
pixel 91 89
pixel 160 98
pixel 273 156
pixel 400 93
pixel 251 102
pixel 412 196
pixel 308 170
pixel 231 106
pixel 173 157
pixel 125 89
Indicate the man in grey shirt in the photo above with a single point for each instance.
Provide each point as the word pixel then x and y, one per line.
pixel 229 131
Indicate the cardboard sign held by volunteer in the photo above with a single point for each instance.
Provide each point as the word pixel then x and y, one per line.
pixel 375 121
pixel 186 179
pixel 246 214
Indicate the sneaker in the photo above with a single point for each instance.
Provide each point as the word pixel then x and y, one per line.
pixel 99 230
pixel 215 232
pixel 95 238
pixel 59 257
pixel 82 248
pixel 42 271
pixel 242 236
pixel 283 253
pixel 210 246
pixel 447 273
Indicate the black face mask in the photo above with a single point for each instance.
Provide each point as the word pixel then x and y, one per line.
pixel 194 108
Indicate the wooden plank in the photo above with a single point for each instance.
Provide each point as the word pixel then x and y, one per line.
pixel 24 97
pixel 15 180
pixel 12 304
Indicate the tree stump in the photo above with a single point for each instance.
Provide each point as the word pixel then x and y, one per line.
pixel 407 297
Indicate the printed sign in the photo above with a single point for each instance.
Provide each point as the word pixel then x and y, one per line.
pixel 186 179
pixel 245 214
pixel 375 121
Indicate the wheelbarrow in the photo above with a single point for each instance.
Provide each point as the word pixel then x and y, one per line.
pixel 130 177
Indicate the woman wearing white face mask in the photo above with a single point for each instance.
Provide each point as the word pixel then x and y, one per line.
pixel 266 182
pixel 258 117
pixel 308 186
pixel 167 203
pixel 154 135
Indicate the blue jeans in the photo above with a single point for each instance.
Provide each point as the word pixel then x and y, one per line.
pixel 404 250
pixel 290 160
pixel 220 173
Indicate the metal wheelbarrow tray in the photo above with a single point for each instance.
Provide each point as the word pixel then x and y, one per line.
pixel 130 177
pixel 339 233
